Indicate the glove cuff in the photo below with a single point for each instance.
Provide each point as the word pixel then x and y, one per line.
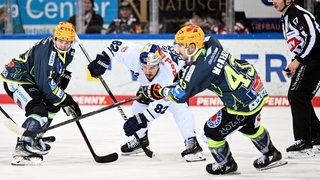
pixel 157 94
pixel 156 91
pixel 65 99
pixel 103 61
pixel 105 55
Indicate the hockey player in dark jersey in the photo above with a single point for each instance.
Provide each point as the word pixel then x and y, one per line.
pixel 36 80
pixel 302 34
pixel 239 87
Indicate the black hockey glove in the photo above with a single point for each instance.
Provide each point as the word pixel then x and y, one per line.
pixel 98 66
pixel 152 92
pixel 134 124
pixel 65 79
pixel 143 99
pixel 70 107
pixel 180 73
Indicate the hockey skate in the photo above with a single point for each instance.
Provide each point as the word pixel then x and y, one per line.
pixel 193 151
pixel 316 145
pixel 269 161
pixel 230 168
pixel 22 155
pixel 300 149
pixel 133 146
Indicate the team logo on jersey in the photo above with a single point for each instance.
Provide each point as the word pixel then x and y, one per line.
pixel 213 56
pixel 10 64
pixel 190 72
pixel 257 121
pixel 168 60
pixel 178 92
pixel 215 120
pixel 60 93
pixel 5 73
pixel 209 51
pixel 52 57
pixel 124 49
pixel 52 84
pixel 33 89
pixel 257 85
pixel 293 43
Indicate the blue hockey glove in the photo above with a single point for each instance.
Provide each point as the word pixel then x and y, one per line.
pixel 98 66
pixel 152 92
pixel 134 124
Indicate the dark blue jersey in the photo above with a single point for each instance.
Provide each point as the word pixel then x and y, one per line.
pixel 236 82
pixel 41 65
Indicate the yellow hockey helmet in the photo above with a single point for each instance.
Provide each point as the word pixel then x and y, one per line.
pixel 190 34
pixel 65 31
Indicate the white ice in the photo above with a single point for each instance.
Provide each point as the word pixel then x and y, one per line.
pixel 70 157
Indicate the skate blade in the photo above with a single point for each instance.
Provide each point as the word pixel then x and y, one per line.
pixel 195 157
pixel 137 151
pixel 26 161
pixel 274 165
pixel 301 154
pixel 228 174
pixel 233 173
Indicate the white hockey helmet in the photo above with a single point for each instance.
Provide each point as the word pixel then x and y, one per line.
pixel 150 54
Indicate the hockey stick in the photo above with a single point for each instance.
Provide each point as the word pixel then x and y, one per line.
pixel 24 132
pixel 147 151
pixel 11 124
pixel 99 159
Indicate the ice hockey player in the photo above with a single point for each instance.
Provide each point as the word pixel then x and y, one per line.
pixel 239 87
pixel 36 80
pixel 154 64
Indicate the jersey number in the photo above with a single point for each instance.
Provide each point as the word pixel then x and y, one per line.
pixel 114 46
pixel 236 79
pixel 160 109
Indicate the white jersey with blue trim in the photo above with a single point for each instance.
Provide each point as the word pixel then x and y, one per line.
pixel 128 54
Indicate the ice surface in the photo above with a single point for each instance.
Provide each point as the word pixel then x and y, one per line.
pixel 70 157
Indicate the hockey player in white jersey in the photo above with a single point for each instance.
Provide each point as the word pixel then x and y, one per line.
pixel 151 64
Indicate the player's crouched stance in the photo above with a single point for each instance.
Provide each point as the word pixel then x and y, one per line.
pixel 150 64
pixel 240 89
pixel 216 130
pixel 36 80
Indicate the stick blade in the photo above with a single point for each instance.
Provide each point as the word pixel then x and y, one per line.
pixel 106 159
pixel 12 126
